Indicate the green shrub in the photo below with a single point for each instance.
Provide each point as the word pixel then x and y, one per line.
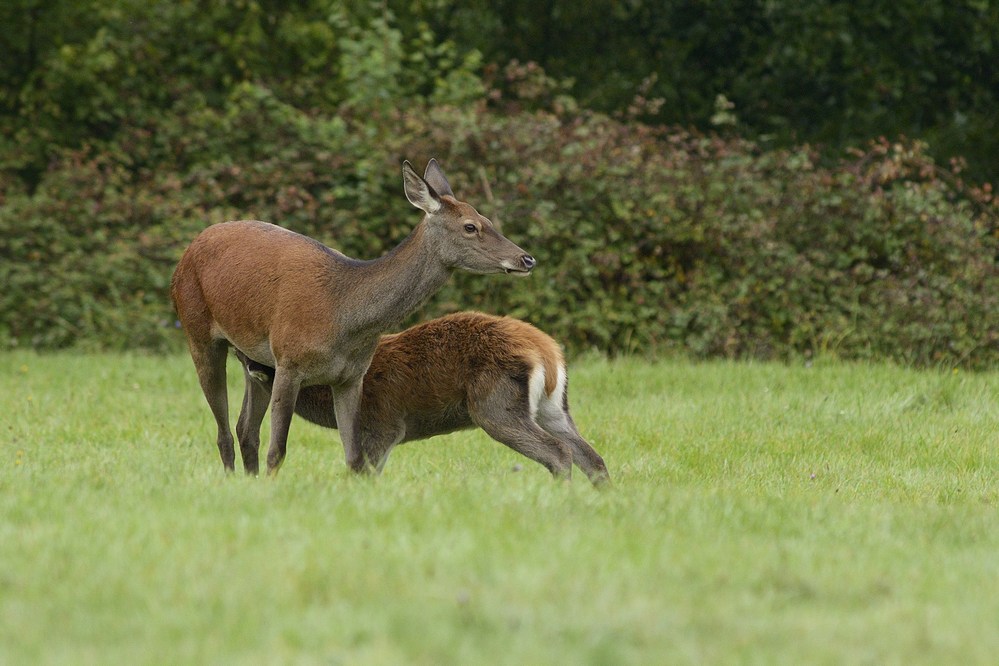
pixel 650 240
pixel 127 126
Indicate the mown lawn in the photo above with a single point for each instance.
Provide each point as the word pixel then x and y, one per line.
pixel 759 513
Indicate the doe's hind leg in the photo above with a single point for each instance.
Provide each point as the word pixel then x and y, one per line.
pixel 209 360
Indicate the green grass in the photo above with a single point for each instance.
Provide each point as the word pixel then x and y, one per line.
pixel 760 513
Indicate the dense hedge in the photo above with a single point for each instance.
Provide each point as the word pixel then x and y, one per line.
pixel 649 239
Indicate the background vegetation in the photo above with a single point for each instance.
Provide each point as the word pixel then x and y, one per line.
pixel 682 174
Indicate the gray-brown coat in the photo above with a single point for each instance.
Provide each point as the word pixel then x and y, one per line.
pixel 314 314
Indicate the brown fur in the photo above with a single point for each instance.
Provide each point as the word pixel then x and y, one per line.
pixel 445 375
pixel 314 314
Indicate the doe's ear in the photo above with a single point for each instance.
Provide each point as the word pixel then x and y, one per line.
pixel 418 191
pixel 435 176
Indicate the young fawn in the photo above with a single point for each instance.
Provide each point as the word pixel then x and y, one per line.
pixel 314 314
pixel 460 371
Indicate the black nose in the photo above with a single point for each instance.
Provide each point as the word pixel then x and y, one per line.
pixel 528 261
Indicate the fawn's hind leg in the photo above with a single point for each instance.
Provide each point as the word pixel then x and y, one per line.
pixel 553 416
pixel 583 454
pixel 501 408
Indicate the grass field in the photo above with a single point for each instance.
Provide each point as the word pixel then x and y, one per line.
pixel 759 513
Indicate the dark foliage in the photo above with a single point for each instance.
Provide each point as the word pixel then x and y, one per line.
pixel 149 121
pixel 822 72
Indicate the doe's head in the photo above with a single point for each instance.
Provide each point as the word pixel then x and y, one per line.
pixel 463 238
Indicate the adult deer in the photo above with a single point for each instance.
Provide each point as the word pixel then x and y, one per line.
pixel 314 314
pixel 460 371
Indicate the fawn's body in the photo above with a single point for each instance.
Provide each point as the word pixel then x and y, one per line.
pixel 462 371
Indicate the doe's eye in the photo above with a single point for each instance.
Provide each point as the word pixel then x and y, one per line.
pixel 470 228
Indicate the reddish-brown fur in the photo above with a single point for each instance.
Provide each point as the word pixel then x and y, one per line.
pixel 312 313
pixel 460 371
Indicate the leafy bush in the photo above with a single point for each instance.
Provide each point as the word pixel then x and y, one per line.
pixel 649 239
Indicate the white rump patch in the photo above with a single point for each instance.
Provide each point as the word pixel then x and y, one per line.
pixel 546 408
pixel 550 412
pixel 536 389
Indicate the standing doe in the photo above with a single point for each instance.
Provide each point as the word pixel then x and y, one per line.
pixel 314 314
pixel 460 371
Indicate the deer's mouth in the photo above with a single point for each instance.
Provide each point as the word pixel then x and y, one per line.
pixel 522 266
